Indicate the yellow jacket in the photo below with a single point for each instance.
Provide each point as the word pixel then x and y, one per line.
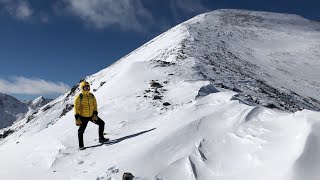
pixel 86 105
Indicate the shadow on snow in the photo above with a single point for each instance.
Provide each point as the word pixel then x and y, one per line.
pixel 115 141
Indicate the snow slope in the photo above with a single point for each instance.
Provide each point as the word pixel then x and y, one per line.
pixel 270 59
pixel 177 108
pixel 11 109
pixel 38 102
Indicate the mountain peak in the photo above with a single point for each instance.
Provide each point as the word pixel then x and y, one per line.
pixel 11 109
pixel 38 99
pixel 39 102
pixel 216 97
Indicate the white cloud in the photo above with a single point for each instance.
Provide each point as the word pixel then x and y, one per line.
pixel 127 14
pixel 22 85
pixel 20 9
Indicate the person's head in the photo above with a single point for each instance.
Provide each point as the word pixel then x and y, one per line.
pixel 85 86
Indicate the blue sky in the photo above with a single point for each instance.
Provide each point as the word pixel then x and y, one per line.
pixel 46 46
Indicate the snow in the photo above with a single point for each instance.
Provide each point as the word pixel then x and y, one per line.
pixel 39 102
pixel 11 109
pixel 207 132
pixel 247 49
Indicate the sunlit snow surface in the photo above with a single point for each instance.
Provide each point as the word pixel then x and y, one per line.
pixel 207 132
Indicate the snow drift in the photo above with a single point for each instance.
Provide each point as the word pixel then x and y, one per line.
pixel 227 95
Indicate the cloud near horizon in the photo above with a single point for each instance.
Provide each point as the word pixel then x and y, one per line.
pixel 32 86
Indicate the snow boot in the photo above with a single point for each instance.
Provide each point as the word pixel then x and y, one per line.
pixel 103 140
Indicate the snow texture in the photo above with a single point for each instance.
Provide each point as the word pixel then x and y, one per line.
pixel 13 110
pixel 193 103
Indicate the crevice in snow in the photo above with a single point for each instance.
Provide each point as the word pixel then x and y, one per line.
pixel 193 168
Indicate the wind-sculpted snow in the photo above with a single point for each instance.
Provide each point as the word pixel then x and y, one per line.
pixel 187 105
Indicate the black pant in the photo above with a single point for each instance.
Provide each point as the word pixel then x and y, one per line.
pixel 83 126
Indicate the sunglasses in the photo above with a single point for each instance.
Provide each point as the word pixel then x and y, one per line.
pixel 86 88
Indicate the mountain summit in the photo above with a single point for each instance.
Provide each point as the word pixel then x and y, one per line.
pixel 230 94
pixel 11 110
pixel 38 102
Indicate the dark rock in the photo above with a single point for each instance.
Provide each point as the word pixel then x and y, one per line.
pixel 156 97
pixel 271 106
pixel 47 107
pixel 68 108
pixel 206 90
pixel 6 133
pixel 74 88
pixel 237 90
pixel 32 116
pixel 102 83
pixel 155 84
pixel 72 92
pixel 166 104
pixel 164 63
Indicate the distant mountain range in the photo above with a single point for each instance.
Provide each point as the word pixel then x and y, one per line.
pixel 12 109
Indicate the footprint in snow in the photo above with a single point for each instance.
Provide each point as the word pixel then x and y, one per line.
pixel 80 162
pixel 108 174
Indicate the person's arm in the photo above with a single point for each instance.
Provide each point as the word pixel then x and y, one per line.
pixel 95 108
pixel 77 110
pixel 77 105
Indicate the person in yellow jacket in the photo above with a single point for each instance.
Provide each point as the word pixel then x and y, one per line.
pixel 85 109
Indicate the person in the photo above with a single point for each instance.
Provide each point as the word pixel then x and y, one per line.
pixel 85 109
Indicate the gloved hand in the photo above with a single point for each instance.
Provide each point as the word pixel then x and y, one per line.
pixel 95 118
pixel 78 121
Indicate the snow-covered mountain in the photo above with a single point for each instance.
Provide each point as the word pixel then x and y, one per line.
pixel 12 109
pixel 202 101
pixel 38 102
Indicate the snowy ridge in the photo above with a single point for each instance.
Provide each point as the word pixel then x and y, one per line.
pixel 176 109
pixel 11 109
pixel 268 58
pixel 39 102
